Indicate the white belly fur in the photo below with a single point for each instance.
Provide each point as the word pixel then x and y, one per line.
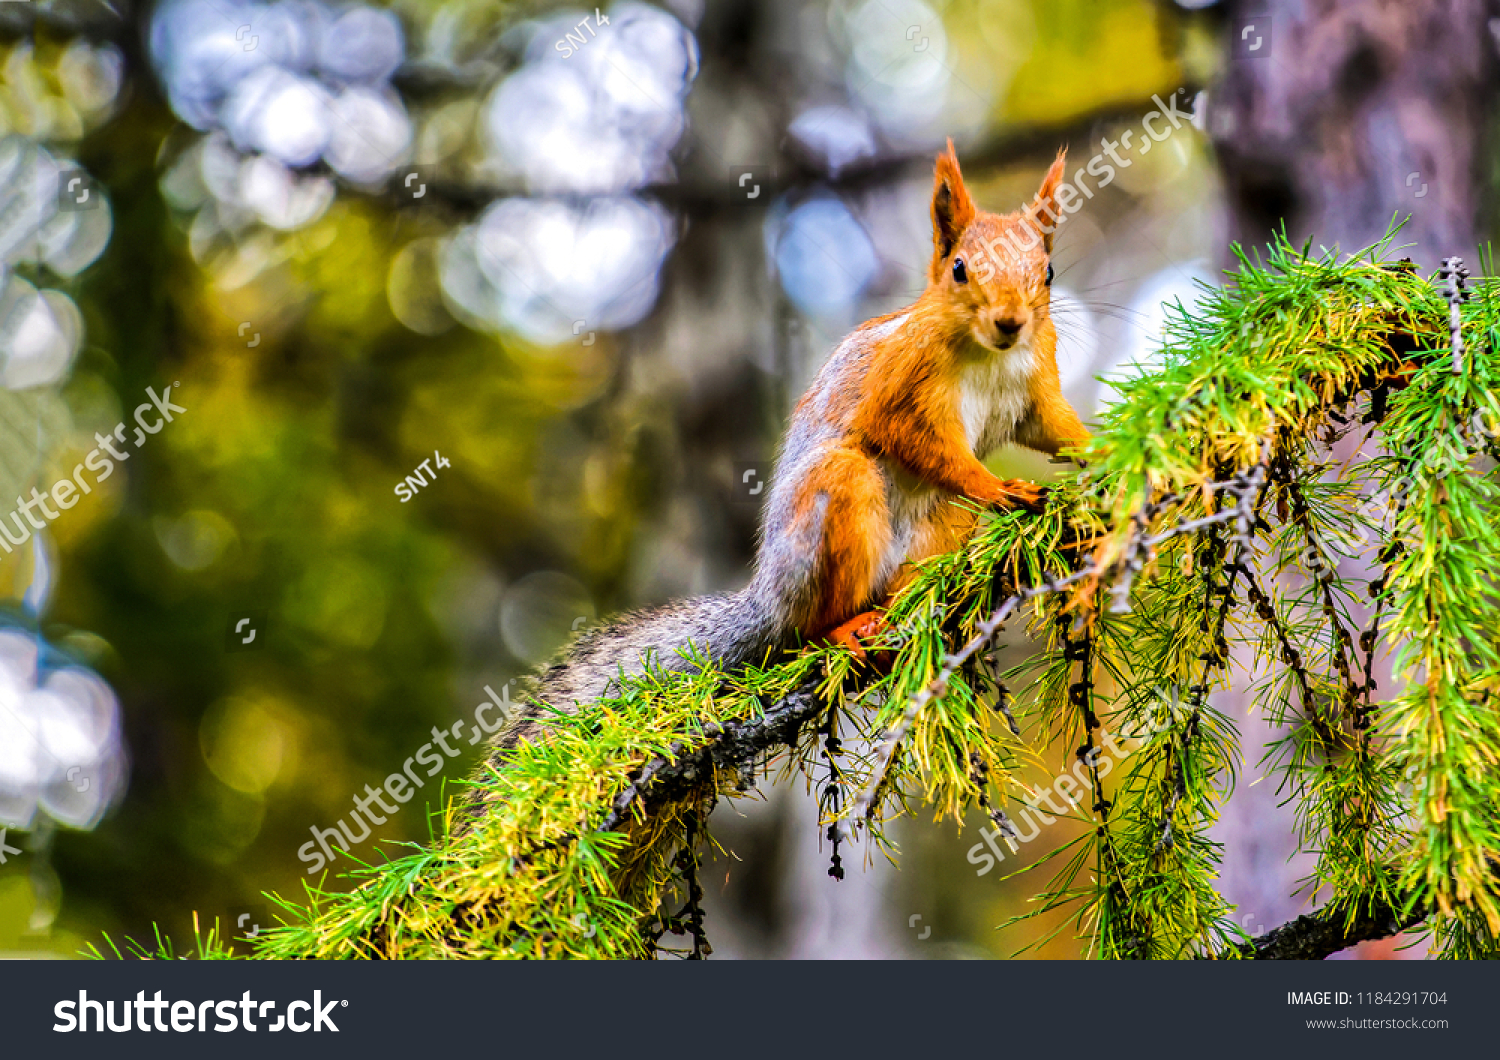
pixel 994 395
pixel 910 501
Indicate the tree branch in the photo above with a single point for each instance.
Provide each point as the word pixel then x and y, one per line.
pixel 1314 936
pixel 736 747
pixel 705 189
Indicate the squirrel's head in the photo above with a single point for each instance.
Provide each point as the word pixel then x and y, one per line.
pixel 994 270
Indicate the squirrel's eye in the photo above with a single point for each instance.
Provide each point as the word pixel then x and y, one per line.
pixel 960 274
pixel 1049 274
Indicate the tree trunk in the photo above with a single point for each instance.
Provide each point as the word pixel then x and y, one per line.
pixel 1351 112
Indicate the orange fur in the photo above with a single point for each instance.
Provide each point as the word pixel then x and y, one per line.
pixel 856 531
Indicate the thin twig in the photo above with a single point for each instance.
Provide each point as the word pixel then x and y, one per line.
pixel 1453 274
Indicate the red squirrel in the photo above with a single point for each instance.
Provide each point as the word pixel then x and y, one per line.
pixel 888 435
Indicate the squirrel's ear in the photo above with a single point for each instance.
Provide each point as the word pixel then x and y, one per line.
pixel 952 209
pixel 1044 209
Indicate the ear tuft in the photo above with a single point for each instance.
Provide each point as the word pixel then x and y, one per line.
pixel 952 209
pixel 1044 209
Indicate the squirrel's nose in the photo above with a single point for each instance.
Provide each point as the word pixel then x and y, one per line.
pixel 1009 324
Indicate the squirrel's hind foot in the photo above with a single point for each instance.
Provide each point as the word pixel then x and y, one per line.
pixel 863 627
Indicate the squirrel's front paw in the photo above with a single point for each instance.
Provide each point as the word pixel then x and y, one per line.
pixel 1022 494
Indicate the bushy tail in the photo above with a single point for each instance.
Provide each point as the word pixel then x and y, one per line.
pixel 731 628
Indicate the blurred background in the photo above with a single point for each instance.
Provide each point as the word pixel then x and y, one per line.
pixel 581 262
